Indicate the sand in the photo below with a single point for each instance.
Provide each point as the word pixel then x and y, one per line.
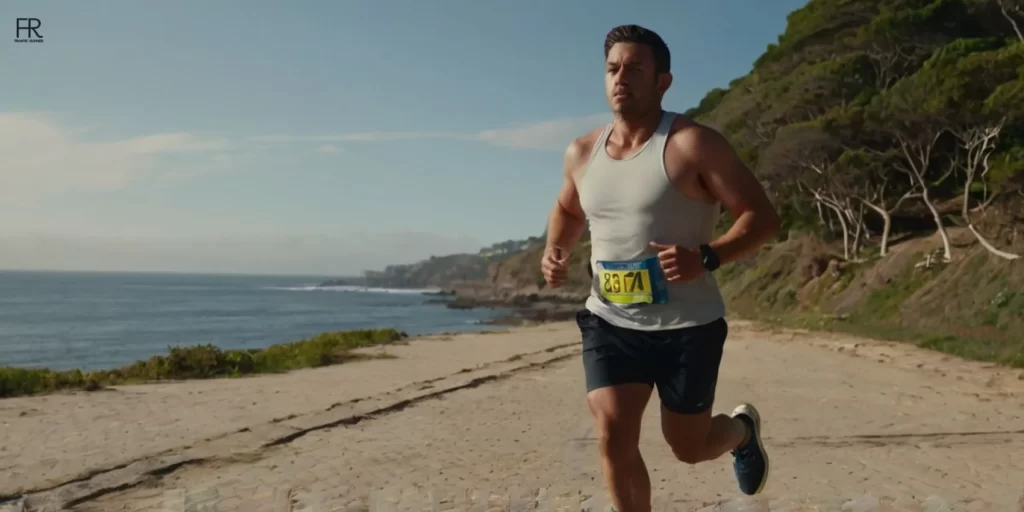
pixel 850 424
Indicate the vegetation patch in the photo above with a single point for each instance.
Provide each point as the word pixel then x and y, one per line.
pixel 203 362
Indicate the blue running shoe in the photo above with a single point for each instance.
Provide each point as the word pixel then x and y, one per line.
pixel 750 460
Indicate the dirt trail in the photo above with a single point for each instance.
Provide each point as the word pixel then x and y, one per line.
pixel 850 425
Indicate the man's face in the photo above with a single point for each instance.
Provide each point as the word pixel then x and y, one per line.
pixel 631 84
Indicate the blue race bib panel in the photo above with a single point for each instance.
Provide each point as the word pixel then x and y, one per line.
pixel 632 282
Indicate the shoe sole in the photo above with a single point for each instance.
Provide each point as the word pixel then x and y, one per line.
pixel 751 412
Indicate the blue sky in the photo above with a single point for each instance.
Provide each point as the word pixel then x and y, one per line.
pixel 258 136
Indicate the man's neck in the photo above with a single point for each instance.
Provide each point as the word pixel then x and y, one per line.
pixel 635 130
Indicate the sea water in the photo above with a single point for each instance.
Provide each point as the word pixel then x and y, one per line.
pixel 64 320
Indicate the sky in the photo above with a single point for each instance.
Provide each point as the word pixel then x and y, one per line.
pixel 317 137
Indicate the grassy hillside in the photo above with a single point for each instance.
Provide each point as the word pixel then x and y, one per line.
pixel 972 307
pixel 872 117
pixel 891 137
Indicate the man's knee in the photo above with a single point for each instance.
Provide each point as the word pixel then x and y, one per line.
pixel 616 438
pixel 690 453
pixel 618 428
pixel 687 434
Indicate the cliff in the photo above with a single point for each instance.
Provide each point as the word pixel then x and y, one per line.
pixel 440 271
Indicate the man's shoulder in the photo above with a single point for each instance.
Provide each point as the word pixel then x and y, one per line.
pixel 578 151
pixel 686 132
pixel 691 140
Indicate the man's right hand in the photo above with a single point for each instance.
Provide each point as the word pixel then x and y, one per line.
pixel 555 266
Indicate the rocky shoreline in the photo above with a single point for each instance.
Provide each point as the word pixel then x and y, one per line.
pixel 520 310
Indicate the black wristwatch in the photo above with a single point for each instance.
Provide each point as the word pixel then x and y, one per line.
pixel 708 258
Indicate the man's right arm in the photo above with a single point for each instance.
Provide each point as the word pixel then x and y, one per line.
pixel 567 219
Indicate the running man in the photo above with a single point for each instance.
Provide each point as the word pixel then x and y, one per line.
pixel 651 184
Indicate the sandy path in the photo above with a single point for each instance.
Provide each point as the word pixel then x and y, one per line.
pixel 48 440
pixel 848 422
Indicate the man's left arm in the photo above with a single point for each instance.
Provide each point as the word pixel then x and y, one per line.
pixel 734 185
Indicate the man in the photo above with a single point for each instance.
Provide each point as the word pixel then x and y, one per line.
pixel 651 184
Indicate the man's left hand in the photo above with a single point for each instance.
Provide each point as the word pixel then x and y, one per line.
pixel 679 263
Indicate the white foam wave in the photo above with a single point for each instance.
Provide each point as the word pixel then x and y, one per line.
pixel 355 289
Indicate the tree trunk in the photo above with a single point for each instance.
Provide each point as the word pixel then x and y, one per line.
pixel 965 211
pixel 842 222
pixel 846 234
pixel 1013 22
pixel 886 231
pixel 886 225
pixel 858 235
pixel 857 219
pixel 876 201
pixel 947 253
pixel 918 166
pixel 984 243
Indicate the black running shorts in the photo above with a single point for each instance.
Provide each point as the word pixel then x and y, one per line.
pixel 683 363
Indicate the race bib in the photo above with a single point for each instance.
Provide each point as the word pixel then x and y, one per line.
pixel 632 282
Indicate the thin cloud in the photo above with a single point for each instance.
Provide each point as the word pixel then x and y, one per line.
pixel 264 253
pixel 553 135
pixel 356 137
pixel 40 156
pixel 328 148
pixel 549 135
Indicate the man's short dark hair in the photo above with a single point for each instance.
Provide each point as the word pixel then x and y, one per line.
pixel 644 36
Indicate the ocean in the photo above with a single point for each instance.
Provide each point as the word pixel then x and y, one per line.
pixel 64 320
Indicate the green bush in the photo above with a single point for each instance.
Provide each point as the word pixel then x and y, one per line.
pixel 202 362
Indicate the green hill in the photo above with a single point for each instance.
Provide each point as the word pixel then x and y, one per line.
pixel 890 135
pixel 872 114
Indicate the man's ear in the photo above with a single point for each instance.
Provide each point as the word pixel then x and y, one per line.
pixel 664 82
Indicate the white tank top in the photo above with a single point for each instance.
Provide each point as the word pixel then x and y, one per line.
pixel 629 203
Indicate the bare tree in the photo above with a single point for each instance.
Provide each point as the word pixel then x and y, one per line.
pixel 979 142
pixel 805 150
pixel 983 93
pixel 823 197
pixel 888 60
pixel 877 201
pixel 855 214
pixel 877 187
pixel 896 44
pixel 918 152
pixel 1013 9
pixel 908 113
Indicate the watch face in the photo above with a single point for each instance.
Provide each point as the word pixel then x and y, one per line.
pixel 708 258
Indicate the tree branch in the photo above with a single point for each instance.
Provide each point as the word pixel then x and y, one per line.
pixel 1013 22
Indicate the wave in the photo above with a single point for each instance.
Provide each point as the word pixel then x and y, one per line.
pixel 355 289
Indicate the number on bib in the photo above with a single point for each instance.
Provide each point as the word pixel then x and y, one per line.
pixel 631 282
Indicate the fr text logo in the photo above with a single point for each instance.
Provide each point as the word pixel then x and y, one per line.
pixel 27 31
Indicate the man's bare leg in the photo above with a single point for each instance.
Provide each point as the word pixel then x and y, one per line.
pixel 618 412
pixel 701 437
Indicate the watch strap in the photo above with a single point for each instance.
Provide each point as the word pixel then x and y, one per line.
pixel 709 258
